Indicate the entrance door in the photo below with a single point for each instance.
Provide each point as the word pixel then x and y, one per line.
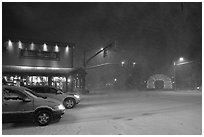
pixel 159 84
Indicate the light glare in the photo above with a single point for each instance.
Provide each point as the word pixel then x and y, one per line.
pixel 56 48
pixel 20 45
pixel 44 47
pixel 181 59
pixel 67 49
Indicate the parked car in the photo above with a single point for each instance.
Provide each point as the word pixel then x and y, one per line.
pixel 22 104
pixel 69 100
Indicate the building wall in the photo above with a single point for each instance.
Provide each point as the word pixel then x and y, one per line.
pixel 11 55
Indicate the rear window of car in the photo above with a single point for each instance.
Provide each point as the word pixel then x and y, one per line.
pixel 52 90
pixel 38 89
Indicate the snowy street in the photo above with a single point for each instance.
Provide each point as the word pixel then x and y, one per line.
pixel 125 113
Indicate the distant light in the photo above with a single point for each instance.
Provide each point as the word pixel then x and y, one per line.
pixel 32 46
pixel 67 49
pixel 181 59
pixel 198 88
pixel 56 48
pixel 20 45
pixel 115 79
pixel 134 64
pixel 44 47
pixel 10 45
pixel 101 48
pixel 68 80
pixel 122 63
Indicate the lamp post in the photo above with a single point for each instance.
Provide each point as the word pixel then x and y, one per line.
pixel 174 73
pixel 181 59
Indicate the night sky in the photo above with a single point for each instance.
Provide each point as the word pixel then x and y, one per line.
pixel 154 34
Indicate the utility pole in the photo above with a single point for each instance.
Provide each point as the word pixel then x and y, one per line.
pixel 102 50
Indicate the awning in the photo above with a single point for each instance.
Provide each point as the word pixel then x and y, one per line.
pixel 28 70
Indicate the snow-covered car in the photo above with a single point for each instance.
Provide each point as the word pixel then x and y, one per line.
pixel 69 100
pixel 22 104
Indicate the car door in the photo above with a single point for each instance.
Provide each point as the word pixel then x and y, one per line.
pixel 14 108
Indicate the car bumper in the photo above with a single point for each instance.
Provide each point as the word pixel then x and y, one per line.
pixel 77 100
pixel 58 114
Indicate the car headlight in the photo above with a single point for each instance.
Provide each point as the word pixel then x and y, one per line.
pixel 77 96
pixel 60 107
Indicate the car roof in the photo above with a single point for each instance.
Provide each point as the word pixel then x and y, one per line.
pixel 14 87
pixel 40 86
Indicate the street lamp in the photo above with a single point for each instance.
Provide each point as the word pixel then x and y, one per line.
pixel 122 63
pixel 133 64
pixel 181 59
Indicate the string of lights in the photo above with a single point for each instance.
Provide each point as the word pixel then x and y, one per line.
pixel 38 42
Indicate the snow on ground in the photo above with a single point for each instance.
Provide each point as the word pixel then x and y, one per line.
pixel 126 113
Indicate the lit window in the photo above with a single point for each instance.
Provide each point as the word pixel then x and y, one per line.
pixel 44 47
pixel 56 48
pixel 32 46
pixel 67 49
pixel 9 43
pixel 20 45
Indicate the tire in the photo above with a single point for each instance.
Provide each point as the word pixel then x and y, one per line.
pixel 43 117
pixel 69 103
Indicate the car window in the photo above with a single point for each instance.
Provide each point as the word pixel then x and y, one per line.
pixel 52 90
pixel 33 93
pixel 38 89
pixel 13 92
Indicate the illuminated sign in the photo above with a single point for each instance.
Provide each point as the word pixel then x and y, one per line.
pixel 35 54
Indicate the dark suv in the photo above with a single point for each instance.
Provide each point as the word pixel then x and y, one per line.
pixel 22 104
pixel 69 100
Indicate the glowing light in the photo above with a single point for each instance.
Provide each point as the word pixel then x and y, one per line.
pixel 25 67
pixel 44 47
pixel 67 49
pixel 56 48
pixel 181 59
pixel 115 79
pixel 68 80
pixel 134 63
pixel 32 46
pixel 20 45
pixel 101 48
pixel 10 45
pixel 123 62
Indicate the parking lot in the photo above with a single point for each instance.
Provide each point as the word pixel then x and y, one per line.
pixel 125 113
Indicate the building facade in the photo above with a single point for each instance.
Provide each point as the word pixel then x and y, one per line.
pixel 38 63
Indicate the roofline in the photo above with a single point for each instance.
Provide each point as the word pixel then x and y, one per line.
pixel 36 70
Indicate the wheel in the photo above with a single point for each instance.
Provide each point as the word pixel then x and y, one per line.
pixel 43 117
pixel 69 103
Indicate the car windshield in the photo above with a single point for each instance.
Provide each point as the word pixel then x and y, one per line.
pixel 35 94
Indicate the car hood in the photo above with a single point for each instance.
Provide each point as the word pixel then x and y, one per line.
pixel 48 101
